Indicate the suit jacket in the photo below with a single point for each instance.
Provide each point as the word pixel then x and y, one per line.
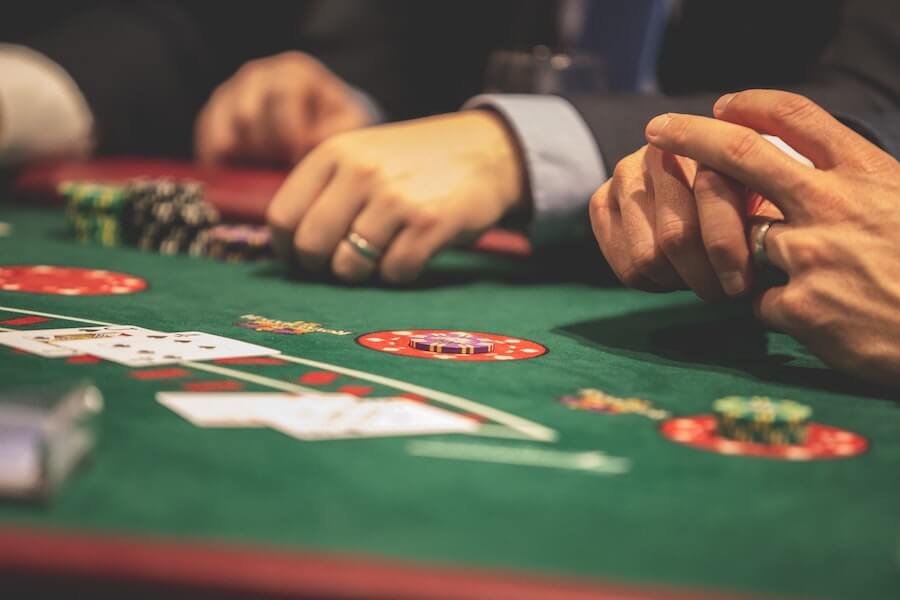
pixel 146 67
pixel 845 55
pixel 881 129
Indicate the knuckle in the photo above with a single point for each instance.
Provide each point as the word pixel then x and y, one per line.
pixel 678 130
pixel 599 203
pixel 631 278
pixel 275 216
pixel 725 250
pixel 646 258
pixel 294 58
pixel 675 236
pixel 792 107
pixel 245 114
pixel 402 269
pixel 741 145
pixel 804 255
pixel 627 168
pixel 344 270
pixel 391 201
pixel 308 246
pixel 361 172
pixel 794 306
pixel 710 186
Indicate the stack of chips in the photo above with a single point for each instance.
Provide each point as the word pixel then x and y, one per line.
pixel 234 243
pixel 96 213
pixel 761 420
pixel 160 215
pixel 167 216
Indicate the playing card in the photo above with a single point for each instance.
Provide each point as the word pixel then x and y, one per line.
pixel 307 416
pixel 249 409
pixel 391 417
pixel 148 348
pixel 369 418
pixel 46 342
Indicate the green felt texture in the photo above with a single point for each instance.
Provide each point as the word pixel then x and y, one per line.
pixel 680 517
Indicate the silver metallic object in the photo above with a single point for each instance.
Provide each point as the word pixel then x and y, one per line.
pixel 45 433
pixel 758 233
pixel 363 247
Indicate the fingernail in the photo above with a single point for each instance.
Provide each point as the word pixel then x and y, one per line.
pixel 655 126
pixel 733 282
pixel 721 103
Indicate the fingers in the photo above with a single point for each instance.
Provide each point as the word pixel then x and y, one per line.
pixel 378 222
pixel 777 246
pixel 606 222
pixel 638 218
pixel 797 120
pixel 275 109
pixel 329 216
pixel 720 208
pixel 769 308
pixel 416 244
pixel 678 226
pixel 740 153
pixel 299 190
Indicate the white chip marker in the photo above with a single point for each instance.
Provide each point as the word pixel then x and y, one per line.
pixel 592 461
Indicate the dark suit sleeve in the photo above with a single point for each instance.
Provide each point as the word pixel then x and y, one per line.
pixel 883 129
pixel 850 69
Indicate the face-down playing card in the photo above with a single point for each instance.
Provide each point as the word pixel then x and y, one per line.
pixel 148 348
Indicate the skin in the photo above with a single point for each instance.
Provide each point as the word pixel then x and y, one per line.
pixel 838 243
pixel 665 222
pixel 275 110
pixel 409 188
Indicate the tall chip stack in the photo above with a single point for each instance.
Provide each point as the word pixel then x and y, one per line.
pixel 159 215
pixel 761 420
pixel 167 216
pixel 96 213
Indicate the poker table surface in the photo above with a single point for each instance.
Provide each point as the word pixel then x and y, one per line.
pixel 163 504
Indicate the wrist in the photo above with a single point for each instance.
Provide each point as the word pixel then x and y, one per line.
pixel 505 160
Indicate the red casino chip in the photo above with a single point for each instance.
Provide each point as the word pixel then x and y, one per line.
pixel 67 281
pixel 403 342
pixel 822 441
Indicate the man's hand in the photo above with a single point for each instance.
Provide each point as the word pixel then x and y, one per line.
pixel 839 243
pixel 665 223
pixel 275 109
pixel 408 189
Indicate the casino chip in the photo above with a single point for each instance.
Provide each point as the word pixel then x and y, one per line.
pixel 67 281
pixel 457 342
pixel 821 442
pixel 761 420
pixel 234 243
pixel 455 346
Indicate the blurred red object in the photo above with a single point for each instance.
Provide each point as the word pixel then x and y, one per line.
pixel 240 194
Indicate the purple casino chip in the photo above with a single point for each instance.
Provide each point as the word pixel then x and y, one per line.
pixel 454 342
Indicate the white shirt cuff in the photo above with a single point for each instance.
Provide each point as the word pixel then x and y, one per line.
pixel 42 112
pixel 563 163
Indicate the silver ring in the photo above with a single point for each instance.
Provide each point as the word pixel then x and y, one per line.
pixel 362 247
pixel 758 232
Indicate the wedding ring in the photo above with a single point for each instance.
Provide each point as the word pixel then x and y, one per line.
pixel 758 233
pixel 363 247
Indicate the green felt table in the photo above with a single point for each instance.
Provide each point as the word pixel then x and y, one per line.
pixel 680 520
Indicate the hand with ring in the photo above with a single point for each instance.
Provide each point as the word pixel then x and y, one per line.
pixel 838 243
pixel 384 200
